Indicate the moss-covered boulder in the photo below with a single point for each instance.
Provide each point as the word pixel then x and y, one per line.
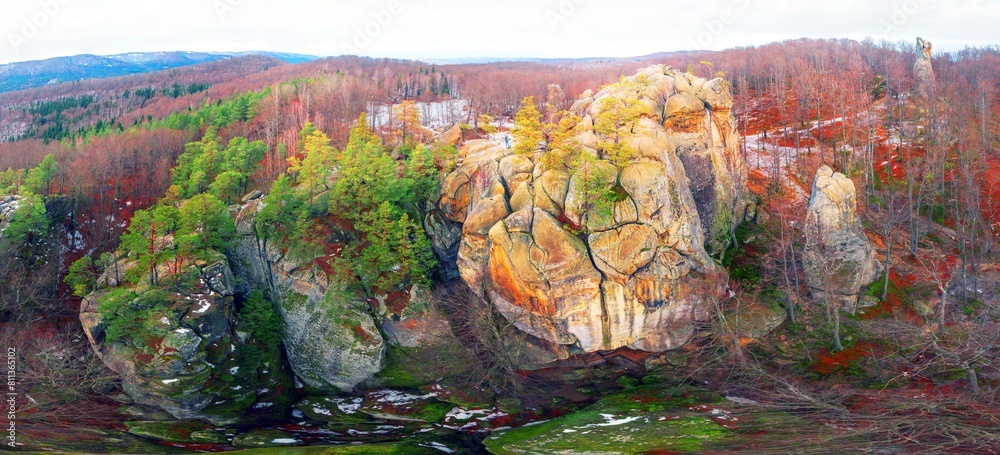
pixel 176 349
pixel 333 344
pixel 330 336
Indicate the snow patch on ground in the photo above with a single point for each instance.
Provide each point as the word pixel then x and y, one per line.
pixel 350 407
pixel 284 441
pixel 436 446
pixel 75 241
pixel 611 421
pixel 205 305
pixel 400 398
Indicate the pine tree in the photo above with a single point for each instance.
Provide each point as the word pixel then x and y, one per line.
pixel 281 208
pixel 315 166
pixel 618 120
pixel 406 118
pixel 141 237
pixel 527 127
pixel 367 175
pixel 204 224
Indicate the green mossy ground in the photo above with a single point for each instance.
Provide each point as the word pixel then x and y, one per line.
pixel 661 417
pixel 167 431
pixel 402 448
pixel 647 418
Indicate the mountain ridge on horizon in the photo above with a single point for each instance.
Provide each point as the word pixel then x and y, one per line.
pixel 31 74
pixel 37 73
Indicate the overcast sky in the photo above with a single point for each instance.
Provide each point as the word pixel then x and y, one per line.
pixel 442 29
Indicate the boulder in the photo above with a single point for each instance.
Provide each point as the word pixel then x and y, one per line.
pixel 622 251
pixel 255 194
pixel 540 274
pixel 838 258
pixel 182 355
pixel 332 343
pixel 452 137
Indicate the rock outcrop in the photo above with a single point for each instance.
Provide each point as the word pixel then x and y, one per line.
pixel 923 70
pixel 335 340
pixel 838 257
pixel 181 352
pixel 636 271
pixel 8 206
pixel 332 343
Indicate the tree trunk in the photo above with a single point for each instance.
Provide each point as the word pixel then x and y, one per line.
pixel 970 373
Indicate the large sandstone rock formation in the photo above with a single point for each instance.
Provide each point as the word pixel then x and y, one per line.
pixel 838 258
pixel 184 357
pixel 923 70
pixel 636 274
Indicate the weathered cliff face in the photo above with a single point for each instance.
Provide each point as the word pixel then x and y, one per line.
pixel 923 70
pixel 182 349
pixel 332 343
pixel 637 273
pixel 335 340
pixel 838 258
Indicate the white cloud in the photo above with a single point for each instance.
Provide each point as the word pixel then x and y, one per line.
pixel 33 29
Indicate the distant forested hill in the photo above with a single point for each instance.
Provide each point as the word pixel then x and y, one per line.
pixel 26 75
